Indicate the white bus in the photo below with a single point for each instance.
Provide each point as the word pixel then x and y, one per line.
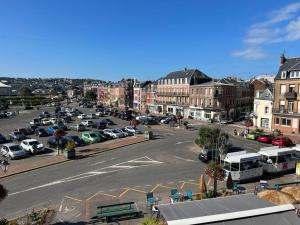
pixel 277 160
pixel 243 166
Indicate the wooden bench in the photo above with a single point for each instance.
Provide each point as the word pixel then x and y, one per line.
pixel 109 212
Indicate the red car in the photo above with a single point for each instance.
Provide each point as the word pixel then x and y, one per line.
pixel 282 141
pixel 265 139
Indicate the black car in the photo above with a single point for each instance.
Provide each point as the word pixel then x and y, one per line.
pixel 108 121
pixel 77 140
pixel 2 139
pixel 52 142
pixel 99 124
pixel 17 136
pixel 150 122
pixel 104 136
pixel 41 132
pixel 29 131
pixel 62 126
pixel 208 155
pixel 33 127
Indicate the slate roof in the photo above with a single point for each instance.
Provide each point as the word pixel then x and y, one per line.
pixel 290 64
pixel 144 84
pixel 267 94
pixel 226 205
pixel 186 74
pixel 214 83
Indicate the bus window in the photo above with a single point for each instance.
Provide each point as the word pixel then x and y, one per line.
pixel 235 167
pixel 227 166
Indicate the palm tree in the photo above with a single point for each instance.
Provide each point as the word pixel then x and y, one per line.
pixel 58 134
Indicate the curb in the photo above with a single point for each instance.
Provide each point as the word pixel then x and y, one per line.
pixel 67 160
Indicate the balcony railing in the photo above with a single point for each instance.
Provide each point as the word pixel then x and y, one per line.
pixel 290 95
pixel 172 94
pixel 284 111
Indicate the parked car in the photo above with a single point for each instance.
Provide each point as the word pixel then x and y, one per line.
pixel 99 125
pixel 53 121
pixel 118 133
pixel 2 139
pixel 110 133
pixel 32 145
pixel 88 123
pixel 51 130
pixel 78 127
pixel 282 141
pixel 130 129
pixel 150 122
pixel 129 133
pixel 266 138
pixel 41 132
pixel 17 136
pixel 61 125
pixel 45 122
pixel 226 121
pixel 99 114
pixel 207 155
pixel 108 121
pixel 35 121
pixel 52 142
pixel 13 151
pixel 125 134
pixel 168 120
pixel 103 135
pixel 77 140
pixel 22 130
pixel 46 114
pixel 29 130
pixel 91 116
pixel 90 137
pixel 82 116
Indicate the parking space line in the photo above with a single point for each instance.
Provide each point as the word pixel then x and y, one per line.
pixel 75 199
pixel 138 190
pixel 124 192
pixel 156 186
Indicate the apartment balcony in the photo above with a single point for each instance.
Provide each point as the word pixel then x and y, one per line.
pixel 290 95
pixel 182 94
pixel 285 112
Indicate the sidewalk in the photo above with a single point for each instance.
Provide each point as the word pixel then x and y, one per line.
pixel 81 152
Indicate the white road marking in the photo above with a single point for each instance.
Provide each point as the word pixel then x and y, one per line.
pixel 98 163
pixel 110 169
pixel 188 160
pixel 181 142
pixel 60 207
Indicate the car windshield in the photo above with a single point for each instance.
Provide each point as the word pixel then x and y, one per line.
pixel 115 131
pixel 93 135
pixel 33 143
pixel 17 133
pixel 14 148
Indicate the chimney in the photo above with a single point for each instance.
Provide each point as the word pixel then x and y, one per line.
pixel 282 59
pixel 185 69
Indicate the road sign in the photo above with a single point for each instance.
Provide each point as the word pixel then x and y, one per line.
pixel 298 169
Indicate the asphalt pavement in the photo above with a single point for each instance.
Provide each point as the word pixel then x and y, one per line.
pixel 171 157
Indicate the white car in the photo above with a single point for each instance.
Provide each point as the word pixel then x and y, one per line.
pixel 45 122
pixel 110 133
pixel 130 129
pixel 99 114
pixel 91 115
pixel 13 151
pixel 88 123
pixel 53 121
pixel 82 116
pixel 32 146
pixel 125 134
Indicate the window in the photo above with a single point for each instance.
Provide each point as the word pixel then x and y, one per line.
pixel 291 87
pixel 285 122
pixel 192 91
pixel 291 107
pixel 283 74
pixel 298 106
pixel 282 89
pixel 276 120
pixel 282 105
pixel 207 115
pixel 266 110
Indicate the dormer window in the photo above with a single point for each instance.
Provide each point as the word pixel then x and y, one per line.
pixel 283 75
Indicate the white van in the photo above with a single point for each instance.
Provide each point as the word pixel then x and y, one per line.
pixel 242 165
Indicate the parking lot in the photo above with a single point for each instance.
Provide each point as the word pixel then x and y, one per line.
pixel 23 119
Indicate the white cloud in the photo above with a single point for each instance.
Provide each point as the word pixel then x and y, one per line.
pixel 282 25
pixel 293 30
pixel 250 53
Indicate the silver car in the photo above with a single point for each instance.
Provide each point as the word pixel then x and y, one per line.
pixel 13 151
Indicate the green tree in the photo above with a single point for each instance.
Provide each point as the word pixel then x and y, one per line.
pixel 90 95
pixel 3 192
pixel 211 137
pixel 25 91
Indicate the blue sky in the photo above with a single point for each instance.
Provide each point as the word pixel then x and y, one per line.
pixel 145 39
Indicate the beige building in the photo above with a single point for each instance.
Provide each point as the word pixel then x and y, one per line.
pixel 262 109
pixel 173 90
